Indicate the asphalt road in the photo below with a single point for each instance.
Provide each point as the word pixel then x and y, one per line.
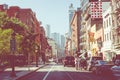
pixel 59 72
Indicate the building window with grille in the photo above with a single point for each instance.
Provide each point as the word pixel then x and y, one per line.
pixel 105 37
pixel 109 21
pixel 110 35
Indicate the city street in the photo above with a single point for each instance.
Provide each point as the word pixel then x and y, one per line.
pixel 59 72
pixel 39 41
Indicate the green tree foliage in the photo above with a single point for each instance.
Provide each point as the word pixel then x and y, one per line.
pixel 28 44
pixel 19 39
pixel 5 36
pixel 3 18
pixel 16 25
pixel 7 26
pixel 25 39
pixel 12 23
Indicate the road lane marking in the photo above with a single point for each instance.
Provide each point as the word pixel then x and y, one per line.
pixel 69 76
pixel 48 72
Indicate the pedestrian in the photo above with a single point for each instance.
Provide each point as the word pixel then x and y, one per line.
pixel 85 64
pixel 77 63
pixel 81 63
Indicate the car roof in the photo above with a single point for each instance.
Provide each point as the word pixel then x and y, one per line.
pixel 69 56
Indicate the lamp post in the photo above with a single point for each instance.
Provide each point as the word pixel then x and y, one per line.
pixel 36 51
pixel 12 48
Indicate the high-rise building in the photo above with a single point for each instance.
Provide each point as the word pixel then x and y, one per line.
pixel 62 42
pixel 71 12
pixel 83 29
pixel 47 30
pixel 56 37
pixel 83 4
pixel 53 45
pixel 96 10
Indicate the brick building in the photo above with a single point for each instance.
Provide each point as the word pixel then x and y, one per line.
pixel 28 17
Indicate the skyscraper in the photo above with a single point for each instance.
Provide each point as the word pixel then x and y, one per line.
pixel 56 37
pixel 62 42
pixel 48 30
pixel 71 12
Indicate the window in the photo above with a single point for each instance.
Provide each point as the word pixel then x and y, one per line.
pixel 105 37
pixel 110 35
pixel 109 21
pixel 104 24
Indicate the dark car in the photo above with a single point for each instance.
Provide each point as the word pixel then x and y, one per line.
pixel 102 67
pixel 69 61
pixel 116 69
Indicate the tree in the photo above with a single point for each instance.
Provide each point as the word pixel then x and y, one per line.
pixel 16 25
pixel 3 18
pixel 28 44
pixel 25 38
pixel 5 36
pixel 6 30
pixel 4 39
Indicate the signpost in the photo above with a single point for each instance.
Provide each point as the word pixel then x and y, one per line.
pixel 12 49
pixel 12 44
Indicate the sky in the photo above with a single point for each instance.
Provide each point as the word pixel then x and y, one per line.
pixel 52 12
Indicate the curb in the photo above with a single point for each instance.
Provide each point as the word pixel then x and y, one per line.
pixel 21 77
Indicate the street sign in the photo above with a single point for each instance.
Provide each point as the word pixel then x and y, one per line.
pixel 12 44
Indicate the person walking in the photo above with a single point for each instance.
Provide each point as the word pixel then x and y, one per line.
pixel 77 63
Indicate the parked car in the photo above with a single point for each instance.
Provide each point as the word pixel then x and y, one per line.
pixel 69 61
pixel 102 67
pixel 91 61
pixel 116 70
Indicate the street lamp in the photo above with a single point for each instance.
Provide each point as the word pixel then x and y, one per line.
pixel 36 51
pixel 12 48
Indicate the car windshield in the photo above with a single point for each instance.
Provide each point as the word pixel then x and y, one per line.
pixel 96 58
pixel 69 57
pixel 102 62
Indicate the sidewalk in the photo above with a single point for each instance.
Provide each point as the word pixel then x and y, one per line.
pixel 20 72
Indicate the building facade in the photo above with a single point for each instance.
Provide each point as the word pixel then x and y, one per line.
pixel 56 37
pixel 53 45
pixel 108 34
pixel 115 4
pixel 75 26
pixel 48 32
pixel 71 12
